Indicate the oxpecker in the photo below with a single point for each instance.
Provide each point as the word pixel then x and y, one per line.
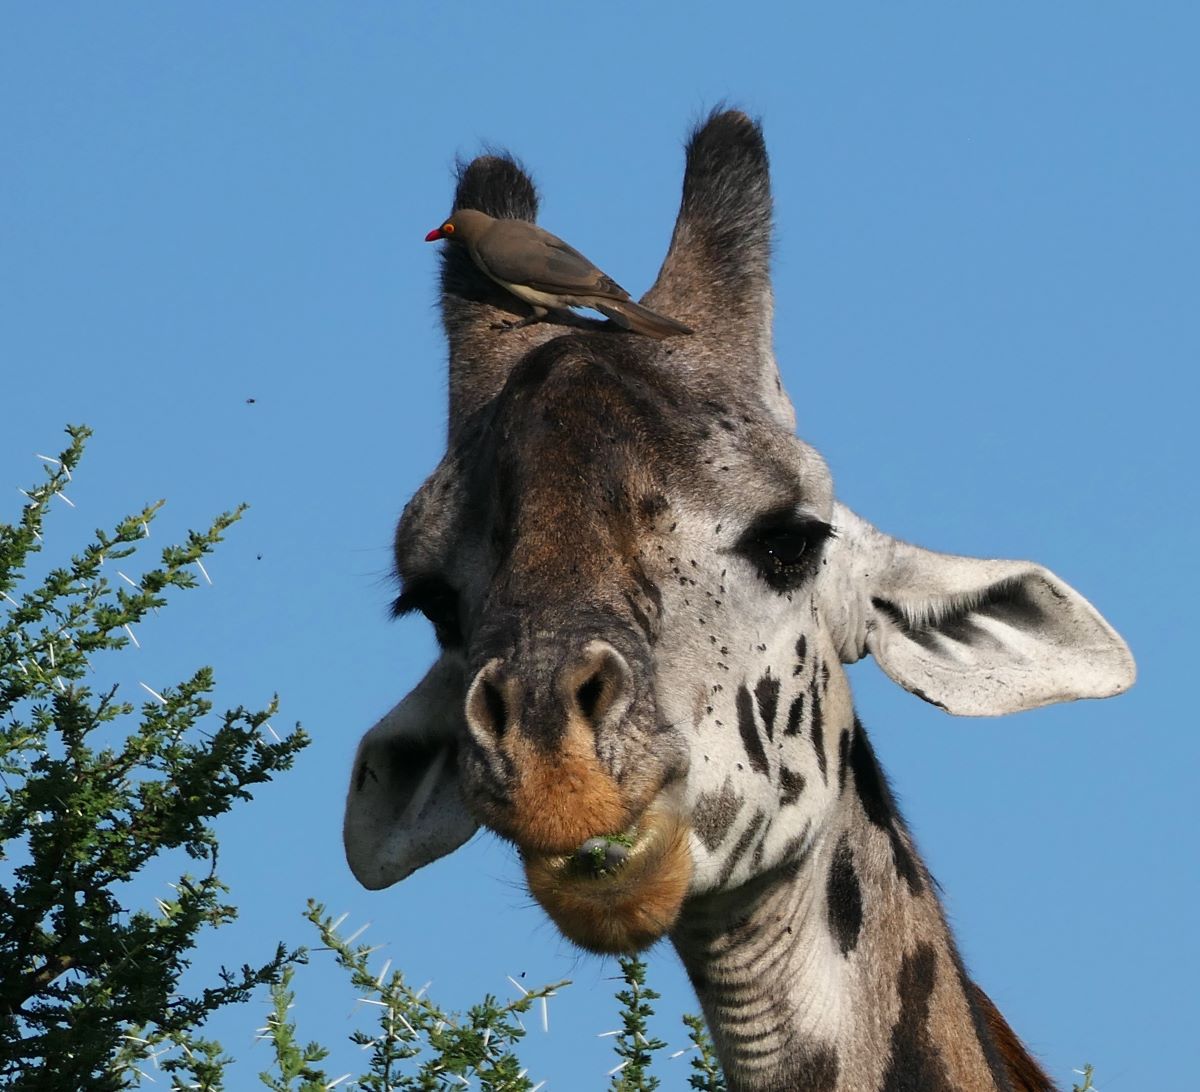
pixel 546 273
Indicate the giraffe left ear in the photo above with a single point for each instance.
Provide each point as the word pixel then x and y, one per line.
pixel 404 808
pixel 974 637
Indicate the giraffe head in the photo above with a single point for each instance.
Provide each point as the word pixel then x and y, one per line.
pixel 645 590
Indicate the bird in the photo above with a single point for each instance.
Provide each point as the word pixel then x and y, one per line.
pixel 546 273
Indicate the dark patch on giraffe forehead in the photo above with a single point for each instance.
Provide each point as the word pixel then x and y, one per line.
pixel 581 413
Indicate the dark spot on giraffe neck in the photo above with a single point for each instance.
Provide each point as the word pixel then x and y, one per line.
pixel 816 726
pixel 791 785
pixel 914 1062
pixel 795 715
pixel 739 850
pixel 880 807
pixel 843 895
pixel 766 693
pixel 749 731
pixel 801 654
pixel 714 814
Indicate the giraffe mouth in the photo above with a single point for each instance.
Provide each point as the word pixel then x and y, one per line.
pixel 617 893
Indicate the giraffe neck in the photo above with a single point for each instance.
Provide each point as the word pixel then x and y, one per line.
pixel 836 972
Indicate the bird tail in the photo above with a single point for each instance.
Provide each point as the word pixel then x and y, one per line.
pixel 641 320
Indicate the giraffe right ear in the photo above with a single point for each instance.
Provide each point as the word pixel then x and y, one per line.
pixel 975 637
pixel 404 808
pixel 716 276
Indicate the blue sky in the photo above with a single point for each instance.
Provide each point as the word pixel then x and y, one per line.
pixel 986 280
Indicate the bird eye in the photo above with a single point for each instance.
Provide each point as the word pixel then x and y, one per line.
pixel 448 229
pixel 438 601
pixel 785 548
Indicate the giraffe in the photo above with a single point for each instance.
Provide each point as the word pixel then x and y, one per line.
pixel 644 592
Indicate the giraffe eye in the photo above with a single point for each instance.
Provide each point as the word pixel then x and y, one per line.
pixel 438 601
pixel 785 548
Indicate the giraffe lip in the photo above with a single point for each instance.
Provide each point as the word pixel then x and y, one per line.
pixel 619 900
pixel 600 857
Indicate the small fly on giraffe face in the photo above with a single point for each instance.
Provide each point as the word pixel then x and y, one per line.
pixel 438 601
pixel 785 547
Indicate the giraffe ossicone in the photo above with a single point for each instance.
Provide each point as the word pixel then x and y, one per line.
pixel 644 591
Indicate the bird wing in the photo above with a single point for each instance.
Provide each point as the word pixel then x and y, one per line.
pixel 518 252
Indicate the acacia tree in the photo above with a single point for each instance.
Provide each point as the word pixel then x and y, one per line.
pixel 89 976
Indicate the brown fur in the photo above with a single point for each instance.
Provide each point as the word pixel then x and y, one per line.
pixel 1024 1073
pixel 629 909
pixel 563 797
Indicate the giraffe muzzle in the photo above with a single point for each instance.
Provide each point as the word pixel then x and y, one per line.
pixel 573 772
pixel 618 894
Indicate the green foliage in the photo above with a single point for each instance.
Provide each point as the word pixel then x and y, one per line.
pixel 633 1073
pixel 94 790
pixel 415 1044
pixel 706 1073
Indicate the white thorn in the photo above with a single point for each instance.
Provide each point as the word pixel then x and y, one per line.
pixel 422 990
pixel 65 499
pixel 617 1069
pixel 200 566
pixel 356 934
pixel 145 529
pixel 339 921
pixel 607 1034
pixel 48 459
pixel 545 1017
pixel 383 973
pixel 274 733
pixel 10 599
pixel 153 693
pixel 540 1084
pixel 524 991
pixel 132 637
pixel 131 583
pixel 334 1084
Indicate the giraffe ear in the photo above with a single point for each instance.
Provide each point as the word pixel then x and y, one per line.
pixel 404 808
pixel 472 304
pixel 716 276
pixel 974 637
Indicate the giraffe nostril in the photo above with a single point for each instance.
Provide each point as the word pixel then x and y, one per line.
pixel 497 711
pixel 489 711
pixel 587 697
pixel 598 685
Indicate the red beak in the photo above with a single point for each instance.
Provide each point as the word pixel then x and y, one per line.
pixel 434 235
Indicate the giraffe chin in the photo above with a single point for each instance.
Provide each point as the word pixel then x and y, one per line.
pixel 627 908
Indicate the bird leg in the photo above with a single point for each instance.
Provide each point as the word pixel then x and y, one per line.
pixel 539 313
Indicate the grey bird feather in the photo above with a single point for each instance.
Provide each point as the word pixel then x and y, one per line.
pixel 546 273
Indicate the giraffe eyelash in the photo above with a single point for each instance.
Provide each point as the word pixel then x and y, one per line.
pixel 438 602
pixel 785 548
